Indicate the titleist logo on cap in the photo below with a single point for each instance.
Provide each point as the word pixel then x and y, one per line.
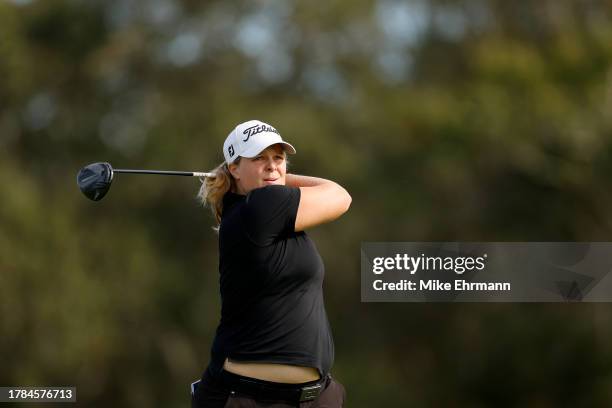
pixel 253 130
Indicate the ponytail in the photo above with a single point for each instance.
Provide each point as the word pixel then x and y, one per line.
pixel 214 188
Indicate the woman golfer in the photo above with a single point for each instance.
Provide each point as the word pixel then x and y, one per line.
pixel 273 345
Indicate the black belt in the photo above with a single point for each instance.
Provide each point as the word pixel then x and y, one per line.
pixel 271 391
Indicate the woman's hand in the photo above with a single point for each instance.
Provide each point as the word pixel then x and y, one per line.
pixel 293 180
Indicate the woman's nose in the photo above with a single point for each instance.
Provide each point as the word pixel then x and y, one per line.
pixel 271 165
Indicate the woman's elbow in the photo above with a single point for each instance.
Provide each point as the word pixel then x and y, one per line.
pixel 347 200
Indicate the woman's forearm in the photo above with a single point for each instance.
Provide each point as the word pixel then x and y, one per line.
pixel 294 180
pixel 321 200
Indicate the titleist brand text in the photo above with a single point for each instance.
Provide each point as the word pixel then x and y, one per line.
pixel 253 130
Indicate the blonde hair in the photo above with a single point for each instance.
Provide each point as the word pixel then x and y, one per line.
pixel 214 188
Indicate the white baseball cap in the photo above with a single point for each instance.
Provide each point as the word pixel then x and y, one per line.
pixel 250 138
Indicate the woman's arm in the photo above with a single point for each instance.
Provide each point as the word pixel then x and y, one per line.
pixel 321 200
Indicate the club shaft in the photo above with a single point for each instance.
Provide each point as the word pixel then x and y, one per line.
pixel 164 172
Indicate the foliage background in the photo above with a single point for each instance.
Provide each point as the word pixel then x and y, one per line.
pixel 446 120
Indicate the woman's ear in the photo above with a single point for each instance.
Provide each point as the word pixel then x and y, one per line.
pixel 234 170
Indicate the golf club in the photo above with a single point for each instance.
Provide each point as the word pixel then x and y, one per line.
pixel 95 179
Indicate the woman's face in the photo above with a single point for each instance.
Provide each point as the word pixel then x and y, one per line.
pixel 268 167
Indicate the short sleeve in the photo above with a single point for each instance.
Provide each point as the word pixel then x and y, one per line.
pixel 269 212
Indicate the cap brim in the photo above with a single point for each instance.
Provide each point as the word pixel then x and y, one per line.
pixel 255 150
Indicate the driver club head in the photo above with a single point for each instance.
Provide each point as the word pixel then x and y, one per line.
pixel 95 179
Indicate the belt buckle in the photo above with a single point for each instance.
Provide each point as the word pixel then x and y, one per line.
pixel 310 393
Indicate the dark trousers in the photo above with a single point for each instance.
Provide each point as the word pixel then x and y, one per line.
pixel 214 393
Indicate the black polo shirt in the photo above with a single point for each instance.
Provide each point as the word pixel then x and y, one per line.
pixel 271 281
